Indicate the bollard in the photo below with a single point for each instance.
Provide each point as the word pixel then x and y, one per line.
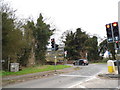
pixel 111 66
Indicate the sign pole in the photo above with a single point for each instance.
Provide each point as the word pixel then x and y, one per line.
pixel 55 56
pixel 55 62
pixel 119 35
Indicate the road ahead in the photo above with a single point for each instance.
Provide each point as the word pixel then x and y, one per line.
pixel 64 80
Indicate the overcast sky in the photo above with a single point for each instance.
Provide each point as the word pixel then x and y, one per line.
pixel 90 15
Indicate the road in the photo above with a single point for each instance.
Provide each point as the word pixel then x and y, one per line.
pixel 64 80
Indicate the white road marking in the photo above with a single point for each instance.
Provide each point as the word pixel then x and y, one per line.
pixel 74 75
pixel 118 87
pixel 81 86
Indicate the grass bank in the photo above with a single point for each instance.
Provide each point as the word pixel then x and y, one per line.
pixel 35 69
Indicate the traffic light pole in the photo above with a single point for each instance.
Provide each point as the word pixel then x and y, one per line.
pixel 115 47
pixel 54 50
pixel 55 61
pixel 118 66
pixel 117 59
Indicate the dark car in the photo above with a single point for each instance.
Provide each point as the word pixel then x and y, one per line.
pixel 81 62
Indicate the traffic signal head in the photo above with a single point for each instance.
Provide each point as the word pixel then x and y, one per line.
pixel 109 33
pixel 117 44
pixel 53 42
pixel 107 26
pixel 115 31
pixel 56 47
pixel 115 24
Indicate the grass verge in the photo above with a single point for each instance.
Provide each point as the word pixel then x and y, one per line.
pixel 34 69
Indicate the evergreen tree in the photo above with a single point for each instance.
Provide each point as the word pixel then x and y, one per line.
pixel 92 48
pixel 80 45
pixel 28 57
pixel 42 34
pixel 12 36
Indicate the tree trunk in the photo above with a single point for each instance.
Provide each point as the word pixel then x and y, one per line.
pixel 31 59
pixel 83 54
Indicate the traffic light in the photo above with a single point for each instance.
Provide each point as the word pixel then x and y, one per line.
pixel 115 31
pixel 56 47
pixel 53 42
pixel 109 33
pixel 117 45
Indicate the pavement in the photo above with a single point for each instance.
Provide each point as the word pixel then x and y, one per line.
pixel 103 80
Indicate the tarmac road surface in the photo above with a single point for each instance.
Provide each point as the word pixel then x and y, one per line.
pixel 64 80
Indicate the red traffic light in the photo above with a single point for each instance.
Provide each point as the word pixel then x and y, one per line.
pixel 116 41
pixel 114 24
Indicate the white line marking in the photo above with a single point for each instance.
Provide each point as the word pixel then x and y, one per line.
pixel 81 86
pixel 118 87
pixel 74 75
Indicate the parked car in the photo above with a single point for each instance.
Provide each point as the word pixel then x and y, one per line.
pixel 81 62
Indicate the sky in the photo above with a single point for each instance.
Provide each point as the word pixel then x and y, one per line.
pixel 89 15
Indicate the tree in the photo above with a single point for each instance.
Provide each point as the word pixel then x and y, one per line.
pixel 80 40
pixel 91 46
pixel 74 44
pixel 70 46
pixel 80 45
pixel 107 46
pixel 103 47
pixel 25 44
pixel 12 36
pixel 42 34
pixel 28 56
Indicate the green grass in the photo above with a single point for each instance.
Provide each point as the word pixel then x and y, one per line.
pixel 34 69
